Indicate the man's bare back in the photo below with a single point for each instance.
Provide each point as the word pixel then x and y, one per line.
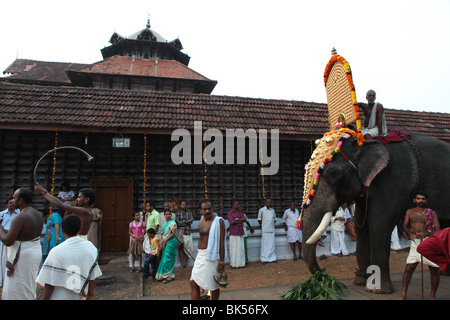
pixel 25 226
pixel 32 223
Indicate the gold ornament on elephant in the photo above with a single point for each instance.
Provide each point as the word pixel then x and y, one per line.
pixel 326 149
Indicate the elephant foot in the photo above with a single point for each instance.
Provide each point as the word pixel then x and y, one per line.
pixel 360 278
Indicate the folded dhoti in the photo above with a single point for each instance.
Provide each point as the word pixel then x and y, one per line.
pixel 204 271
pixel 415 257
pixel 23 259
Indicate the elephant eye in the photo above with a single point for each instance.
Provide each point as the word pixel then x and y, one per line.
pixel 333 175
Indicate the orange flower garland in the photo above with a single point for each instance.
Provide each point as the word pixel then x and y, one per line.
pixel 52 191
pixel 262 167
pixel 144 172
pixel 206 170
pixel 337 58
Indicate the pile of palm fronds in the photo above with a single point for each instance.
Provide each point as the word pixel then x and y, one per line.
pixel 320 286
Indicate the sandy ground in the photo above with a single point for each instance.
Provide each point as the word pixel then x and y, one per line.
pixel 273 274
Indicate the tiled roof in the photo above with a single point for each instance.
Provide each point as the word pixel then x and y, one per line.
pixel 120 65
pixel 105 110
pixel 41 71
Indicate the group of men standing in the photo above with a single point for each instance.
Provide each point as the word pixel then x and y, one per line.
pixel 70 269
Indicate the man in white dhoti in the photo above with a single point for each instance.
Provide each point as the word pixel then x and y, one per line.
pixel 338 246
pixel 236 218
pixel 266 219
pixel 6 217
pixel 210 260
pixel 294 235
pixel 374 118
pixel 419 223
pixel 70 269
pixel 24 252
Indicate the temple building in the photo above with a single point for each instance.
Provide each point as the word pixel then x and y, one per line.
pixel 123 110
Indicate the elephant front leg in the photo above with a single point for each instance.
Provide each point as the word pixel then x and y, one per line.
pixel 362 247
pixel 379 280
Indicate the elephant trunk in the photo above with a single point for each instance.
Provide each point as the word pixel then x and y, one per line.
pixel 312 231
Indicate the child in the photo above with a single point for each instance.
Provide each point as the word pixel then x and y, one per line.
pixel 136 232
pixel 153 252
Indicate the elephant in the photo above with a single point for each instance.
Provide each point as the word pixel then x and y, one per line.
pixel 381 179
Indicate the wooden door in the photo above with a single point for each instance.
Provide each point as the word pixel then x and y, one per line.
pixel 115 198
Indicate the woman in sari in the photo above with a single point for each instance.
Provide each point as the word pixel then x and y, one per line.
pixel 54 230
pixel 166 269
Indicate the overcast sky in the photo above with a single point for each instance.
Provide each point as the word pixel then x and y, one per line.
pixel 258 49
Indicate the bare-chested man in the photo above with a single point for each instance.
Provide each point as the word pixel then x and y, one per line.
pixel 24 249
pixel 210 260
pixel 423 223
pixel 82 208
pixel 374 119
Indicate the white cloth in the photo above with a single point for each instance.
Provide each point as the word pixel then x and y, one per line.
pixel 395 241
pixel 415 257
pixel 204 271
pixel 237 251
pixel 337 243
pixel 3 249
pixel 244 225
pixel 267 217
pixel 338 225
pixel 67 266
pixel 372 128
pixel 188 244
pixel 212 251
pixel 290 219
pixel 65 196
pixel 21 285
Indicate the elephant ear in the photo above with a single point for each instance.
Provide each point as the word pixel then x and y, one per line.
pixel 372 159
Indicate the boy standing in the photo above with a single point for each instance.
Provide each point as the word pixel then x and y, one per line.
pixel 151 247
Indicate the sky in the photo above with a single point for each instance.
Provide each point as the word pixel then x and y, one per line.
pixel 258 49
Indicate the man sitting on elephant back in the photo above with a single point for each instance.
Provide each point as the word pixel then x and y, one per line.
pixel 374 119
pixel 423 222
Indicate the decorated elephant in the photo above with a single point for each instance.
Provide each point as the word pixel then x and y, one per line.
pixel 380 179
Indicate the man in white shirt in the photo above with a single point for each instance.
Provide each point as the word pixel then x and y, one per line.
pixel 294 235
pixel 70 269
pixel 6 217
pixel 337 233
pixel 266 219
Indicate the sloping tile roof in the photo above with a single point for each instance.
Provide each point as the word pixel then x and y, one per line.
pixel 120 65
pixel 104 110
pixel 41 71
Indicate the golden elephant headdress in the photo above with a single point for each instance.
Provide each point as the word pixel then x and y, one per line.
pixel 342 109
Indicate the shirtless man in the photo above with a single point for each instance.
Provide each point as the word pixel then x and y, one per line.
pixel 82 208
pixel 210 262
pixel 374 122
pixel 423 222
pixel 24 248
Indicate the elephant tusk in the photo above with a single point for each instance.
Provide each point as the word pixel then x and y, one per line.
pixel 321 228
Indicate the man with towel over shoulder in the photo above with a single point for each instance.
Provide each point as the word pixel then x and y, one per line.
pixel 24 249
pixel 210 260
